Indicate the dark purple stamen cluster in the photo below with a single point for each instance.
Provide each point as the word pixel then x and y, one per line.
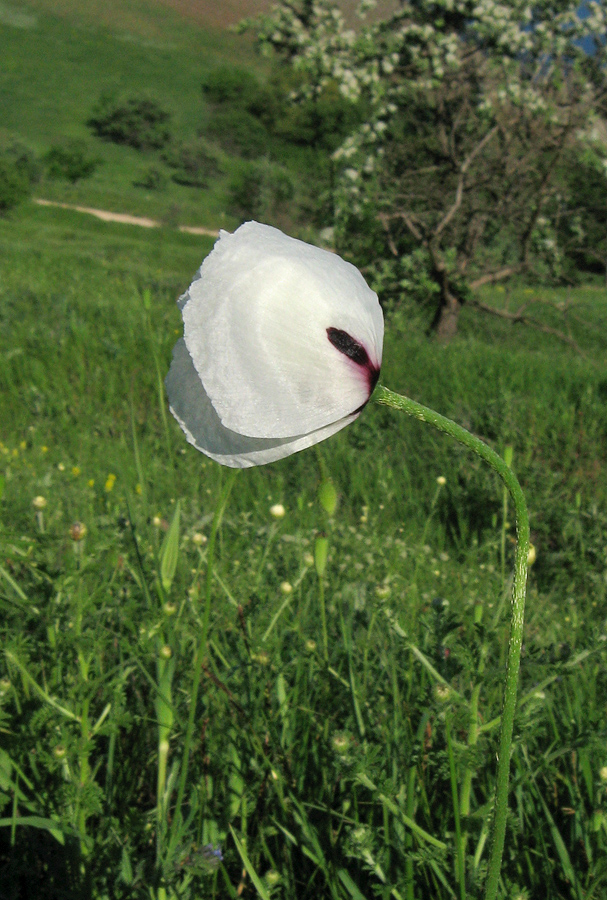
pixel 355 351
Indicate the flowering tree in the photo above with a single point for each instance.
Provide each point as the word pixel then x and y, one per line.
pixel 454 179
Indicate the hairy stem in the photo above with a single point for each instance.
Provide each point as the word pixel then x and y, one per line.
pixel 498 829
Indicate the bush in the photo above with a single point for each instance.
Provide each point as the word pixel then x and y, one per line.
pixel 239 132
pixel 70 160
pixel 13 149
pixel 192 162
pixel 139 122
pixel 152 179
pixel 230 85
pixel 14 185
pixel 19 171
pixel 262 190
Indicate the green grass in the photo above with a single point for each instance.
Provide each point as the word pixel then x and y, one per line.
pixel 55 68
pixel 332 781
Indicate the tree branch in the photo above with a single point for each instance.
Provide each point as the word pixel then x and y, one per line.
pixel 520 316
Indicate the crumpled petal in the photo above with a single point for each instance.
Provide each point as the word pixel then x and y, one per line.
pixel 255 325
pixel 282 348
pixel 202 426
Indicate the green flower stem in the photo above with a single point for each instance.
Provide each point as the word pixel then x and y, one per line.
pixel 498 829
pixel 199 660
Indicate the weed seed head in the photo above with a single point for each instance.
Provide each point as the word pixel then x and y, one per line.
pixel 78 531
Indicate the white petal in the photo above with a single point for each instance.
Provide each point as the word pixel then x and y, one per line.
pixel 195 413
pixel 255 325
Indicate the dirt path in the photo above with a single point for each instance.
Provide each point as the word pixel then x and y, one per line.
pixel 126 219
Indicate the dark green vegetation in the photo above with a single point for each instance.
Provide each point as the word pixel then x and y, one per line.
pixel 365 773
pixel 320 769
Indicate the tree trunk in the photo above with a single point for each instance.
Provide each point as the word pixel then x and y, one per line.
pixel 447 315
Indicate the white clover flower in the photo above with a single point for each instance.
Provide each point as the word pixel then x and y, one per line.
pixel 282 347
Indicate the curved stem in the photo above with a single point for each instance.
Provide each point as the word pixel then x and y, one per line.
pixel 498 830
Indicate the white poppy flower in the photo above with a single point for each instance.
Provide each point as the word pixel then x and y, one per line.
pixel 282 347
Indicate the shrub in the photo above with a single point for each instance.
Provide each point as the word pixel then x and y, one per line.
pixel 70 160
pixel 152 179
pixel 192 163
pixel 261 190
pixel 19 171
pixel 139 122
pixel 230 85
pixel 14 184
pixel 239 132
pixel 13 149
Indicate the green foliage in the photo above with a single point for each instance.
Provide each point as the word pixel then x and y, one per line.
pixel 71 160
pixel 139 122
pixel 14 185
pixel 238 132
pixel 327 780
pixel 262 190
pixel 233 86
pixel 19 171
pixel 152 178
pixel 193 162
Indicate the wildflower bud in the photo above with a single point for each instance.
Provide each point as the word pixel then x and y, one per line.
pixel 286 587
pixel 327 496
pixel 277 511
pixel 603 774
pixel 442 692
pixel 441 481
pixel 341 743
pixel 310 645
pixel 532 555
pixel 199 539
pixel 272 878
pixel 78 531
pixel 39 502
pixel 166 652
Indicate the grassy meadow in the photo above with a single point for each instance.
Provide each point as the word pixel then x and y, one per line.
pixel 177 717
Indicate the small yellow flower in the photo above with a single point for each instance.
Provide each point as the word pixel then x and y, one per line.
pixel 110 482
pixel 198 538
pixel 286 587
pixel 75 471
pixel 91 482
pixel 441 481
pixel 157 521
pixel 166 652
pixel 39 502
pixel 61 467
pixel 277 511
pixel 23 445
pixel 44 448
pixel 138 489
